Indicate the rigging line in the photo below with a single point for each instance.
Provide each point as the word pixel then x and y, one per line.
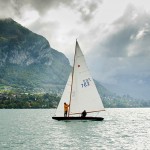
pixel 72 78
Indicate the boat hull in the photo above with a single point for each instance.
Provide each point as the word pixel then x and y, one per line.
pixel 78 118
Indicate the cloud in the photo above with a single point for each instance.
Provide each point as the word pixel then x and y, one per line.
pixel 62 19
pixel 87 9
pixel 5 8
pixel 13 8
pixel 116 42
pixel 47 28
pixel 122 56
pixel 129 36
pixel 45 5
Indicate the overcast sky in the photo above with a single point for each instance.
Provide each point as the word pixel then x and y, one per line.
pixel 114 36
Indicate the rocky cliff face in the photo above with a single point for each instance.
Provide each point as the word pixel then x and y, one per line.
pixel 27 61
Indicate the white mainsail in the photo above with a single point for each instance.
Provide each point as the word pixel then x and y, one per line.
pixel 80 91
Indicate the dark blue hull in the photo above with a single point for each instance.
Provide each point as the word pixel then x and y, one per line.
pixel 78 118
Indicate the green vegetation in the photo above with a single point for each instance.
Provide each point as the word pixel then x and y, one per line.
pixel 124 102
pixel 11 99
pixel 19 100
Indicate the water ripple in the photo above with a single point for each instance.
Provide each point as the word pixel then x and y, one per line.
pixel 122 129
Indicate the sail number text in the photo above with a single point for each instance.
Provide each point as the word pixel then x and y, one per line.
pixel 86 82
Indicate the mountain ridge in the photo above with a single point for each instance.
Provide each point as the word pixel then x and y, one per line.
pixel 22 52
pixel 28 64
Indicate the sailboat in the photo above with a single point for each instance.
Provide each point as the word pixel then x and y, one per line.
pixel 80 93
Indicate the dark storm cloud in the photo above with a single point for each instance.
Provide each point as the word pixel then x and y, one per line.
pixel 117 43
pixel 85 8
pixel 14 6
pixel 44 5
pixel 130 36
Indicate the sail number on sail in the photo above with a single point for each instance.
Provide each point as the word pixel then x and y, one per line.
pixel 86 82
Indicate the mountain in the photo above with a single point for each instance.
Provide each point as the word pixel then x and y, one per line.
pixel 29 66
pixel 27 61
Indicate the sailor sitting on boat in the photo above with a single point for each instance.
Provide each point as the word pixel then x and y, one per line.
pixel 83 114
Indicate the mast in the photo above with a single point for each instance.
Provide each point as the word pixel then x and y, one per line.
pixel 72 79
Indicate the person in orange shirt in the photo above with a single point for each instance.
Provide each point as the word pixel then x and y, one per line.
pixel 66 106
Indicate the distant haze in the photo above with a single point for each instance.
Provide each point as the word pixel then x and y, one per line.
pixel 114 36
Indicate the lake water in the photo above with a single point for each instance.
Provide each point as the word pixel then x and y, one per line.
pixel 33 129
